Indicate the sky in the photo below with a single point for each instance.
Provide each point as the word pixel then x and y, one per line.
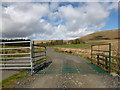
pixel 56 20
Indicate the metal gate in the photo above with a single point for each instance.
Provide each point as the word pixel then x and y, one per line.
pixel 101 55
pixel 15 55
pixel 38 56
pixel 20 55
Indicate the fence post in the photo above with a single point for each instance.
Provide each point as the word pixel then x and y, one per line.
pixel 109 58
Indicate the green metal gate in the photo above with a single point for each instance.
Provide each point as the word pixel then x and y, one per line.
pixel 101 56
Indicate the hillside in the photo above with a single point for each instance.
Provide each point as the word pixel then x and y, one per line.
pixel 102 35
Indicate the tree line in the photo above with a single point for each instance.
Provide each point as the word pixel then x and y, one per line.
pixel 50 43
pixel 15 40
pixel 61 42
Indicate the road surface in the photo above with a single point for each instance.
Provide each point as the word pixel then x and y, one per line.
pixel 70 71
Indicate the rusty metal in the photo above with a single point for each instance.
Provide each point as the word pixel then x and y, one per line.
pixel 107 62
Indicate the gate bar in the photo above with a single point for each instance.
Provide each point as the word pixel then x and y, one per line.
pixel 31 55
pixel 15 42
pixel 109 69
pixel 15 48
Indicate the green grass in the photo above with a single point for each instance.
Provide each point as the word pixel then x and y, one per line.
pixel 41 60
pixel 83 45
pixel 12 79
pixel 13 57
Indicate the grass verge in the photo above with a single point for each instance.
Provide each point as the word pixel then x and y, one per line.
pixel 42 60
pixel 82 45
pixel 56 50
pixel 13 79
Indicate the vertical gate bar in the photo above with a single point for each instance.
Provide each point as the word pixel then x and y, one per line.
pixel 98 60
pixel 91 53
pixel 119 49
pixel 106 63
pixel 31 56
pixel 45 51
pixel 109 57
pixel 4 55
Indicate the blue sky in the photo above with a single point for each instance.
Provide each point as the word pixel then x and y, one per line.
pixel 112 22
pixel 57 20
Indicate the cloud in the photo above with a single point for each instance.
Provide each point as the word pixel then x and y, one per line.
pixel 0 20
pixel 83 20
pixel 23 19
pixel 52 21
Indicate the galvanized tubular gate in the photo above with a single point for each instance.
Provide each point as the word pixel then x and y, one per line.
pixel 19 55
pixel 12 56
pixel 103 60
pixel 38 55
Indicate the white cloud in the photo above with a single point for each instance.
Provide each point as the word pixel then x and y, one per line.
pixel 83 20
pixel 25 20
pixel 0 20
pixel 22 19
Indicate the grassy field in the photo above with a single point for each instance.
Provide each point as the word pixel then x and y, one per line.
pixel 84 50
pixel 81 46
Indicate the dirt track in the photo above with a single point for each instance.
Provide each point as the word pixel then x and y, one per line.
pixel 69 71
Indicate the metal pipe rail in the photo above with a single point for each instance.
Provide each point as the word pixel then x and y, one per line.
pixel 31 61
pixel 13 62
pixel 15 67
pixel 98 50
pixel 15 42
pixel 15 58
pixel 107 62
pixel 16 48
pixel 37 58
pixel 15 54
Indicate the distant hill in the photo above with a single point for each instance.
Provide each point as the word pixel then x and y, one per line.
pixel 101 35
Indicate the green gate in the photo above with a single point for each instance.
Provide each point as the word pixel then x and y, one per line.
pixel 101 56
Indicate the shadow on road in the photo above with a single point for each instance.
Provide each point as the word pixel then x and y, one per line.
pixel 45 65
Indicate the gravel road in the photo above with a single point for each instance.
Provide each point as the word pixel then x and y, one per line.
pixel 69 71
